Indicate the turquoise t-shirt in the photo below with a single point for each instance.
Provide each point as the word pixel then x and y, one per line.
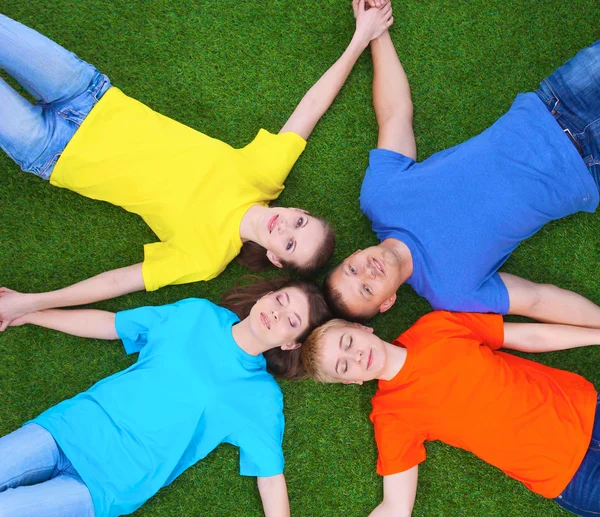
pixel 191 389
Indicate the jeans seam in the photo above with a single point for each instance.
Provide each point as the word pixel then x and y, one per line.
pixel 27 472
pixel 578 507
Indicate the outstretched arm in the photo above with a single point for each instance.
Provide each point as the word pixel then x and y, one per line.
pixel 391 99
pixel 544 302
pixel 544 337
pixel 100 287
pixel 399 492
pixel 81 322
pixel 274 496
pixel 369 25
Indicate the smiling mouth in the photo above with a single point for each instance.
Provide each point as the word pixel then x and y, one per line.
pixel 265 320
pixel 379 266
pixel 370 360
pixel 272 223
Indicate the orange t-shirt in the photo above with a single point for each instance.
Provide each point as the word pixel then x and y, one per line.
pixel 531 421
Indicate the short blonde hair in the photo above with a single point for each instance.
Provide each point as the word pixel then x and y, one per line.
pixel 311 351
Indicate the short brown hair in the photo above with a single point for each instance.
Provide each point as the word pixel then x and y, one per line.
pixel 311 351
pixel 254 256
pixel 336 303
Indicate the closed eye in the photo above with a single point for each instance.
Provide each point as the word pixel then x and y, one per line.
pixel 293 323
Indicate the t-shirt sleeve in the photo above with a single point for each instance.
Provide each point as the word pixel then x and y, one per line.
pixel 261 453
pixel 272 156
pixel 489 328
pixel 164 264
pixel 384 161
pixel 133 326
pixel 399 447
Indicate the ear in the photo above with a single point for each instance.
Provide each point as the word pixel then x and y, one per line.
pixel 364 327
pixel 274 259
pixel 353 382
pixel 388 303
pixel 290 346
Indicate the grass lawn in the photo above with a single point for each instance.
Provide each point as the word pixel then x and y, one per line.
pixel 228 68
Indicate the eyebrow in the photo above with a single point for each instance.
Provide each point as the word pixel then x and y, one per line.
pixel 337 364
pixel 295 313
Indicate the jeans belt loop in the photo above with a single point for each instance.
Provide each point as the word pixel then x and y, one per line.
pixel 567 132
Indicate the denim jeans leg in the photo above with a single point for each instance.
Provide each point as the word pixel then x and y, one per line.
pixel 572 94
pixel 33 136
pixel 45 69
pixel 28 455
pixel 582 495
pixel 65 87
pixel 37 479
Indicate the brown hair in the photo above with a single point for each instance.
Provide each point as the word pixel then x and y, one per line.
pixel 311 351
pixel 254 256
pixel 280 363
pixel 338 307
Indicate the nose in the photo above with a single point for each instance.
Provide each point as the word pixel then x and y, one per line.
pixel 275 315
pixel 282 225
pixel 370 269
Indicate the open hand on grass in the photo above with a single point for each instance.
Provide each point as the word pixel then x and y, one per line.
pixel 372 23
pixel 13 305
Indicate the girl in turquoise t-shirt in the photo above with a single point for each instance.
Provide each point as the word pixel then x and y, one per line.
pixel 200 379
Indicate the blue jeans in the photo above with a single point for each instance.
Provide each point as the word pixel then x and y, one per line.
pixel 572 95
pixel 37 479
pixel 582 495
pixel 65 88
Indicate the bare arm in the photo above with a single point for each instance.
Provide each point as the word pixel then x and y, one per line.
pixel 544 302
pixel 100 287
pixel 399 492
pixel 369 24
pixel 81 322
pixel 544 337
pixel 274 496
pixel 391 99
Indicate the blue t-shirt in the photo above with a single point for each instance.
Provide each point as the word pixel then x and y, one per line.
pixel 191 389
pixel 463 211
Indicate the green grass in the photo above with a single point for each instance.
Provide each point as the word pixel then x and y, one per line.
pixel 228 68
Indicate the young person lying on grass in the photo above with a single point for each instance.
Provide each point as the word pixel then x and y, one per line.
pixel 204 200
pixel 200 380
pixel 447 224
pixel 445 379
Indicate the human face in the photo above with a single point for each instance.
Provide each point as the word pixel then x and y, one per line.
pixel 368 280
pixel 291 235
pixel 351 353
pixel 280 317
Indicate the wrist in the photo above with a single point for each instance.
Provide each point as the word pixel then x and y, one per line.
pixel 358 43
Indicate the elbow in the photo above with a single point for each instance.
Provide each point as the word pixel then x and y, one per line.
pixel 401 114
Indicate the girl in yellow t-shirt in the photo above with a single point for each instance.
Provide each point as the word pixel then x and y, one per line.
pixel 205 200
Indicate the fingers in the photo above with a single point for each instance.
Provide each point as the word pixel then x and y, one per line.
pixel 4 325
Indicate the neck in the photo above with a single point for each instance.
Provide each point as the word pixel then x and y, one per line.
pixel 249 224
pixel 402 252
pixel 396 357
pixel 246 340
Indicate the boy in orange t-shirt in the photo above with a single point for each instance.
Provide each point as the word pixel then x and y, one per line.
pixel 444 379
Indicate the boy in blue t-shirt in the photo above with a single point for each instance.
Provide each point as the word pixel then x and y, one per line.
pixel 447 224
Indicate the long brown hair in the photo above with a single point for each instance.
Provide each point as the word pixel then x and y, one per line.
pixel 254 256
pixel 285 364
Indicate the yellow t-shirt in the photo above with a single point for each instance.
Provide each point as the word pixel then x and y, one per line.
pixel 192 190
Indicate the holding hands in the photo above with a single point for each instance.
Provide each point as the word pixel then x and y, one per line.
pixel 373 18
